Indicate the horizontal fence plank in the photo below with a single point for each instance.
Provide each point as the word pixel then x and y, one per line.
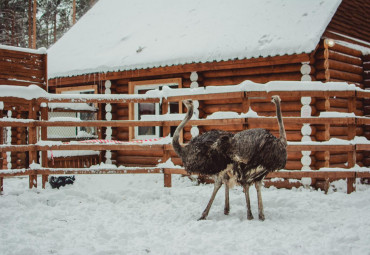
pixel 200 122
pixel 87 146
pixel 157 170
pixel 155 147
pixel 312 174
pixel 72 171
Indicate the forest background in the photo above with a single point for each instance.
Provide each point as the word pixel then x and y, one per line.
pixel 46 20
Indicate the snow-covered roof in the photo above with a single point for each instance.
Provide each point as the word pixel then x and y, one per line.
pixel 118 35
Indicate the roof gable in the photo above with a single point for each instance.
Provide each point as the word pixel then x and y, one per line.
pixel 117 35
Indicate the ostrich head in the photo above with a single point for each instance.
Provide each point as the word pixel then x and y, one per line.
pixel 175 141
pixel 188 103
pixel 275 99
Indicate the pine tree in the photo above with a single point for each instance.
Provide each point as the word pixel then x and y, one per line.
pixel 54 18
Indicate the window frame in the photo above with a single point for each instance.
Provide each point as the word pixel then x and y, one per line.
pixel 134 87
pixel 63 90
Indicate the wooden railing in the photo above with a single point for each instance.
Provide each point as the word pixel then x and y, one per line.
pixel 37 121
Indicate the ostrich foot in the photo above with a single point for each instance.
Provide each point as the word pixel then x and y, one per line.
pixel 226 210
pixel 261 217
pixel 250 216
pixel 202 218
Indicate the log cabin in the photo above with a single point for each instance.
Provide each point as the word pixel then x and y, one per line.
pixel 125 47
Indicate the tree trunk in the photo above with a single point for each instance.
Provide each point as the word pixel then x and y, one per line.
pixel 55 25
pixel 12 36
pixel 29 23
pixel 74 12
pixel 34 24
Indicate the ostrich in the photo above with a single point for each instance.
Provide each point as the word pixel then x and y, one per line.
pixel 255 153
pixel 206 154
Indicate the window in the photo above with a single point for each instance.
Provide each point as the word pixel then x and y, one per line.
pixel 64 111
pixel 149 111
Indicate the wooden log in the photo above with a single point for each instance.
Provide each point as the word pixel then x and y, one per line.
pixel 334 158
pixel 346 50
pixel 138 160
pixel 270 69
pixel 157 153
pixel 321 164
pixel 321 75
pixel 320 55
pixel 223 101
pixel 336 102
pixel 293 165
pixel 122 136
pixel 282 184
pixel 340 66
pixel 122 89
pixel 269 107
pixel 209 109
pixel 122 112
pixel 255 78
pixel 338 131
pixel 122 117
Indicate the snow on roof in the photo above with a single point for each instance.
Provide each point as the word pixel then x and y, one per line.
pixel 118 35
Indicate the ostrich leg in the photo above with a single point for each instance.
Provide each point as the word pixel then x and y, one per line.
pixel 227 200
pixel 248 200
pixel 261 215
pixel 217 186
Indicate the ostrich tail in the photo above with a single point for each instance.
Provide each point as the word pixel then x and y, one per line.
pixel 276 100
pixel 175 140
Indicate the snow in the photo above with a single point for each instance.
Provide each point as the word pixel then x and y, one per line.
pixel 74 153
pixel 72 106
pixel 232 115
pixel 135 214
pixel 35 92
pixel 337 115
pixel 27 50
pixel 62 119
pixel 118 35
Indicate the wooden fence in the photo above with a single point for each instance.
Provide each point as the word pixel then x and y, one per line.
pixel 36 123
pixel 23 67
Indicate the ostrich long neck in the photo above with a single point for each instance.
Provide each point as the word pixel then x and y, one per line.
pixel 175 141
pixel 280 121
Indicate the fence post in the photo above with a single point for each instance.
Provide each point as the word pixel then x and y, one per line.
pixel 327 133
pixel 167 176
pixel 32 136
pixel 351 185
pixel 44 136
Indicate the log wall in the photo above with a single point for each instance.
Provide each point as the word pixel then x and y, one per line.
pixel 23 68
pixel 338 63
pixel 264 72
pixel 366 104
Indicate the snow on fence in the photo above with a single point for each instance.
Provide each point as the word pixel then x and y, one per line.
pixel 37 101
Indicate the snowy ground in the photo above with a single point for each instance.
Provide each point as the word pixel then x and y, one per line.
pixel 135 214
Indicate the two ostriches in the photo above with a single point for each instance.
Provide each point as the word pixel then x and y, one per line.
pixel 244 158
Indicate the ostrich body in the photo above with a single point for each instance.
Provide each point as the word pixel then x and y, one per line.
pixel 255 153
pixel 206 154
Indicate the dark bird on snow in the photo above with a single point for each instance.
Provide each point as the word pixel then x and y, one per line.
pixel 206 154
pixel 255 153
